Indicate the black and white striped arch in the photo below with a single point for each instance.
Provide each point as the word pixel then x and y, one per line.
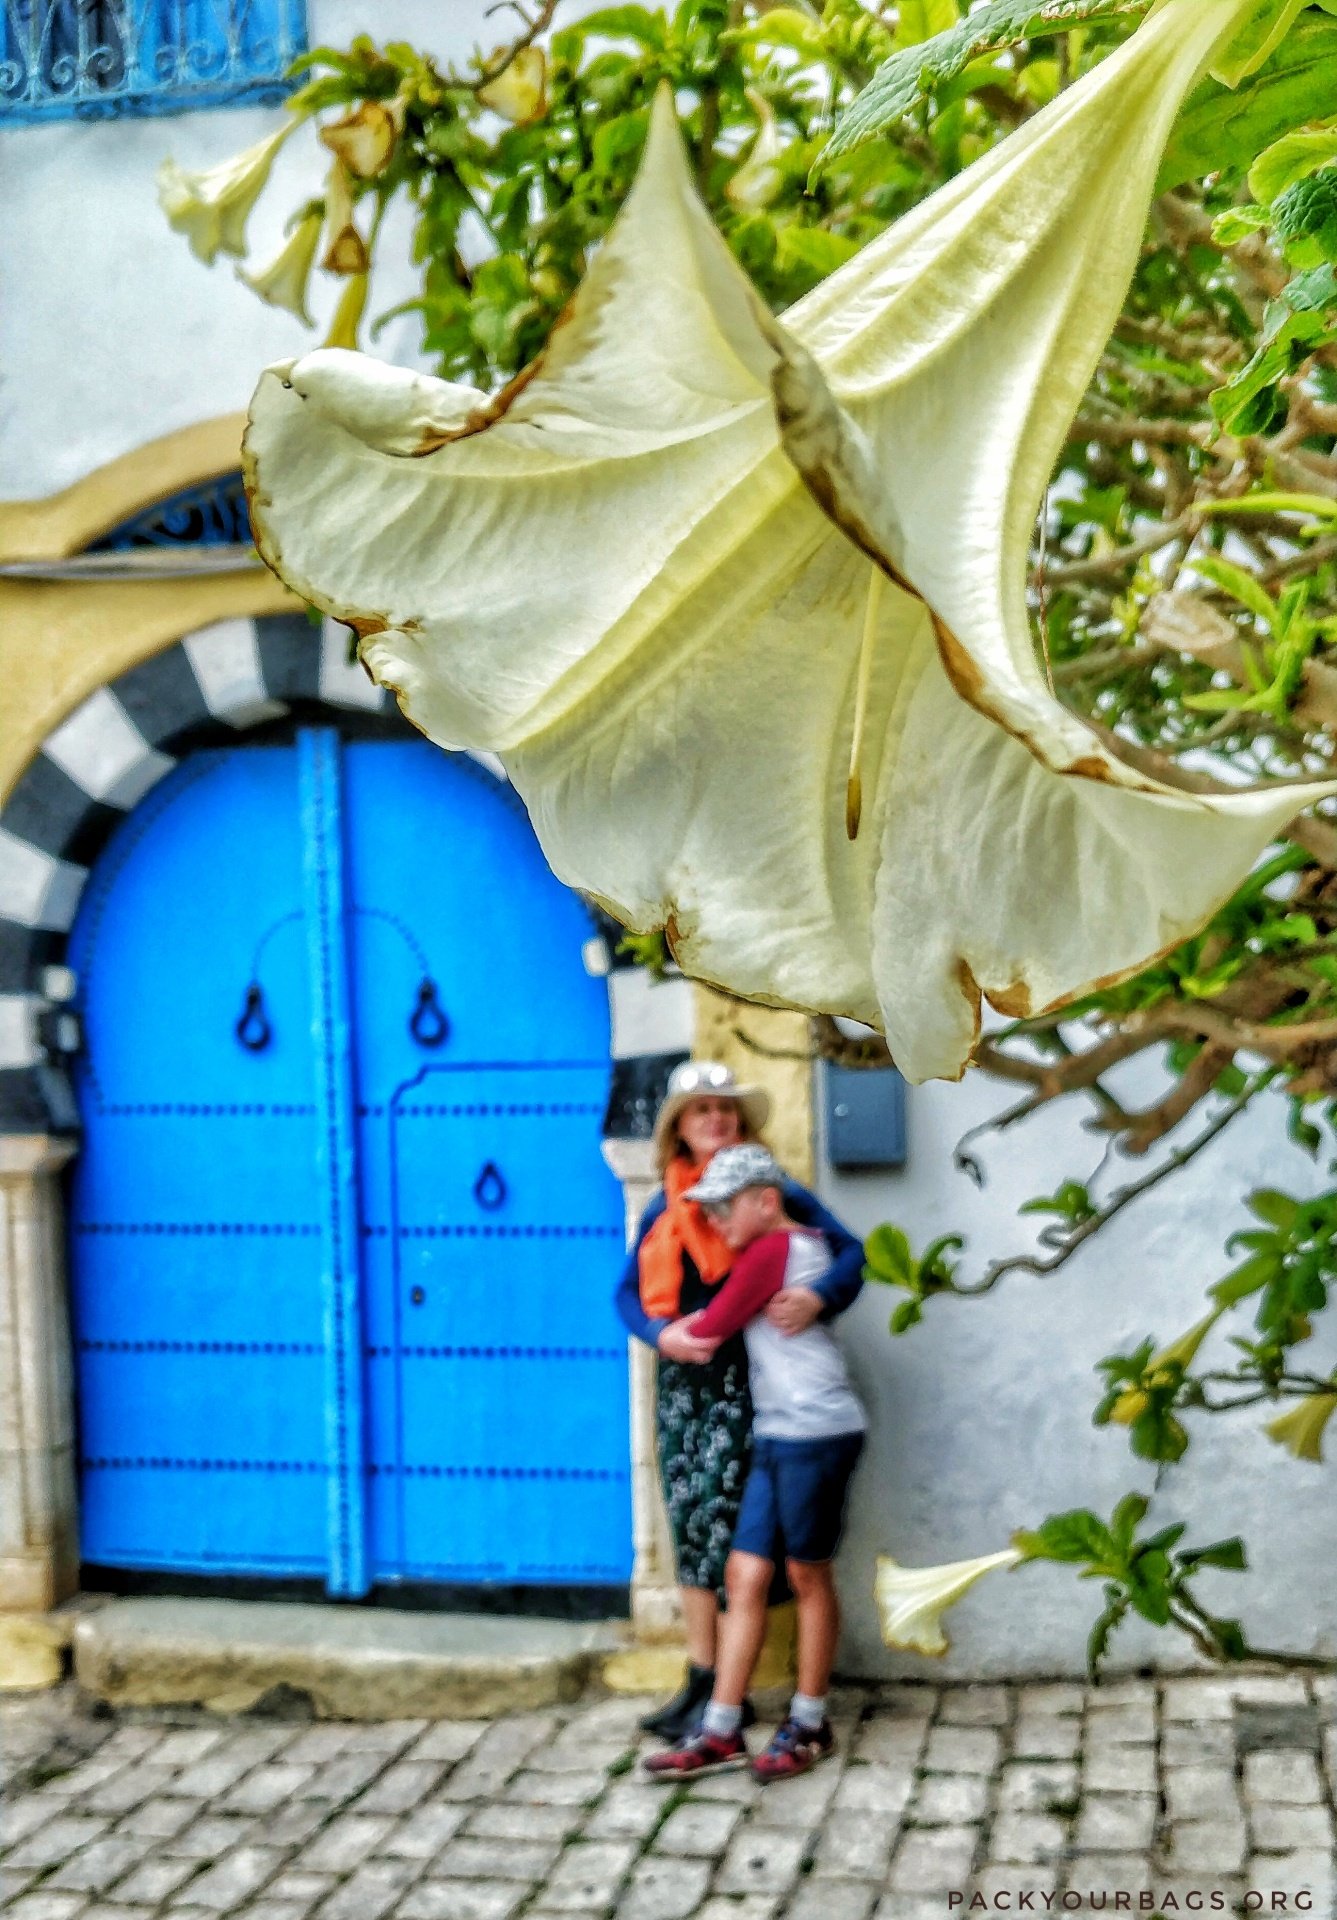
pixel 210 688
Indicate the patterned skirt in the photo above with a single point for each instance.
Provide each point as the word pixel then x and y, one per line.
pixel 705 1445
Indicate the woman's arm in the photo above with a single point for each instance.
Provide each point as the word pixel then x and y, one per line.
pixel 627 1294
pixel 841 1284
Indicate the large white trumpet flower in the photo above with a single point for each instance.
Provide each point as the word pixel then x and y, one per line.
pixel 741 602
pixel 912 1600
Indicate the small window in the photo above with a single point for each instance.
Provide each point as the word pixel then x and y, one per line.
pixel 92 59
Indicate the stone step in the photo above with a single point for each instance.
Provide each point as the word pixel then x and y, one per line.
pixel 352 1663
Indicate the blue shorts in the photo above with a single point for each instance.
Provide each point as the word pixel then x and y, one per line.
pixel 793 1505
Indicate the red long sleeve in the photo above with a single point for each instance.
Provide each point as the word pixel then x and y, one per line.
pixel 756 1277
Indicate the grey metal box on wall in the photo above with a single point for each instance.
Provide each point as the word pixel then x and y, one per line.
pixel 864 1113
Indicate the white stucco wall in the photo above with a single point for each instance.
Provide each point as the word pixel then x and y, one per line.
pixel 981 1416
pixel 111 333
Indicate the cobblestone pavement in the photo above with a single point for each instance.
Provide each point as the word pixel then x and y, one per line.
pixel 1194 1795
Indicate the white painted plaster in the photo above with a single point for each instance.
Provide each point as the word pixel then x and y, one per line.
pixel 226 662
pixel 982 1415
pixel 101 748
pixel 36 889
pixel 18 1030
pixel 649 1015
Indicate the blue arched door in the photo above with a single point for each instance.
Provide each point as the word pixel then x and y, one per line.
pixel 342 1237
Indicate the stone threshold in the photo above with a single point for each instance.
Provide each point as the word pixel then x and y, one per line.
pixel 342 1663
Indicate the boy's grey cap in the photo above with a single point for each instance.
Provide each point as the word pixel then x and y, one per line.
pixel 734 1168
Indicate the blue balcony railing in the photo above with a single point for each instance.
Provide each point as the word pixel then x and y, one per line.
pixel 93 59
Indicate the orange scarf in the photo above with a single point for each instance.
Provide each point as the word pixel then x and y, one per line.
pixel 681 1228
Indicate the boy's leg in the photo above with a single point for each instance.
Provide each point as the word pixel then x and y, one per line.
pixel 818 1624
pixel 812 1482
pixel 747 1581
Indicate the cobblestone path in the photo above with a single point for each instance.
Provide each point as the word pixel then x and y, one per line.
pixel 1194 1795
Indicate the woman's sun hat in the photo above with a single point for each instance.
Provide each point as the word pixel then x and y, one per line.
pixel 708 1079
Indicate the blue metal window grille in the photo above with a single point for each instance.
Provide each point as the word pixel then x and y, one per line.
pixel 211 514
pixel 95 59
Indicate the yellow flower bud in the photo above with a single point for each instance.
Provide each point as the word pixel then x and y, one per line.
pixel 1301 1430
pixel 348 314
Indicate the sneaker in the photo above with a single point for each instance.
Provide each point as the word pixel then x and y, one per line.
pixel 794 1749
pixel 703 1753
pixel 682 1714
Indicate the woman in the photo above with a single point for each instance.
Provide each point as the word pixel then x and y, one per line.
pixel 704 1413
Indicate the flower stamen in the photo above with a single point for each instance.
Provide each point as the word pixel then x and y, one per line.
pixel 854 785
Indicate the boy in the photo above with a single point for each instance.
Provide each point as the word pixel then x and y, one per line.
pixel 808 1431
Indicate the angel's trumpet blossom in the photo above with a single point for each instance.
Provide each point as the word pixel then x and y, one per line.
pixel 741 602
pixel 212 208
pixel 284 282
pixel 912 1600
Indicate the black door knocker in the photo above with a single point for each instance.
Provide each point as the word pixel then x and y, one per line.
pixel 253 1029
pixel 489 1187
pixel 427 1023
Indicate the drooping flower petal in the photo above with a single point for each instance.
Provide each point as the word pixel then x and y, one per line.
pixel 284 282
pixel 1301 1430
pixel 212 208
pixel 714 585
pixel 520 92
pixel 912 1600
pixel 345 249
pixel 364 139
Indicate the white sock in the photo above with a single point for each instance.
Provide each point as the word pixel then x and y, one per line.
pixel 720 1720
pixel 809 1709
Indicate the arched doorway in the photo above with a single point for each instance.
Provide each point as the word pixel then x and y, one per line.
pixel 341 1233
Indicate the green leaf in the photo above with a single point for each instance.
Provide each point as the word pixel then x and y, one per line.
pixel 1126 1518
pixel 1238 583
pixel 887 1251
pixel 1290 159
pixel 921 20
pixel 1237 223
pixel 1258 1272
pixel 814 248
pixel 1220 129
pixel 784 27
pixel 1279 1210
pixel 618 140
pixel 1072 1537
pixel 1305 219
pixel 1228 1554
pixel 648 29
pixel 1157 1435
pixel 907 1315
pixel 916 70
pixel 1230 1639
pixel 1262 33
